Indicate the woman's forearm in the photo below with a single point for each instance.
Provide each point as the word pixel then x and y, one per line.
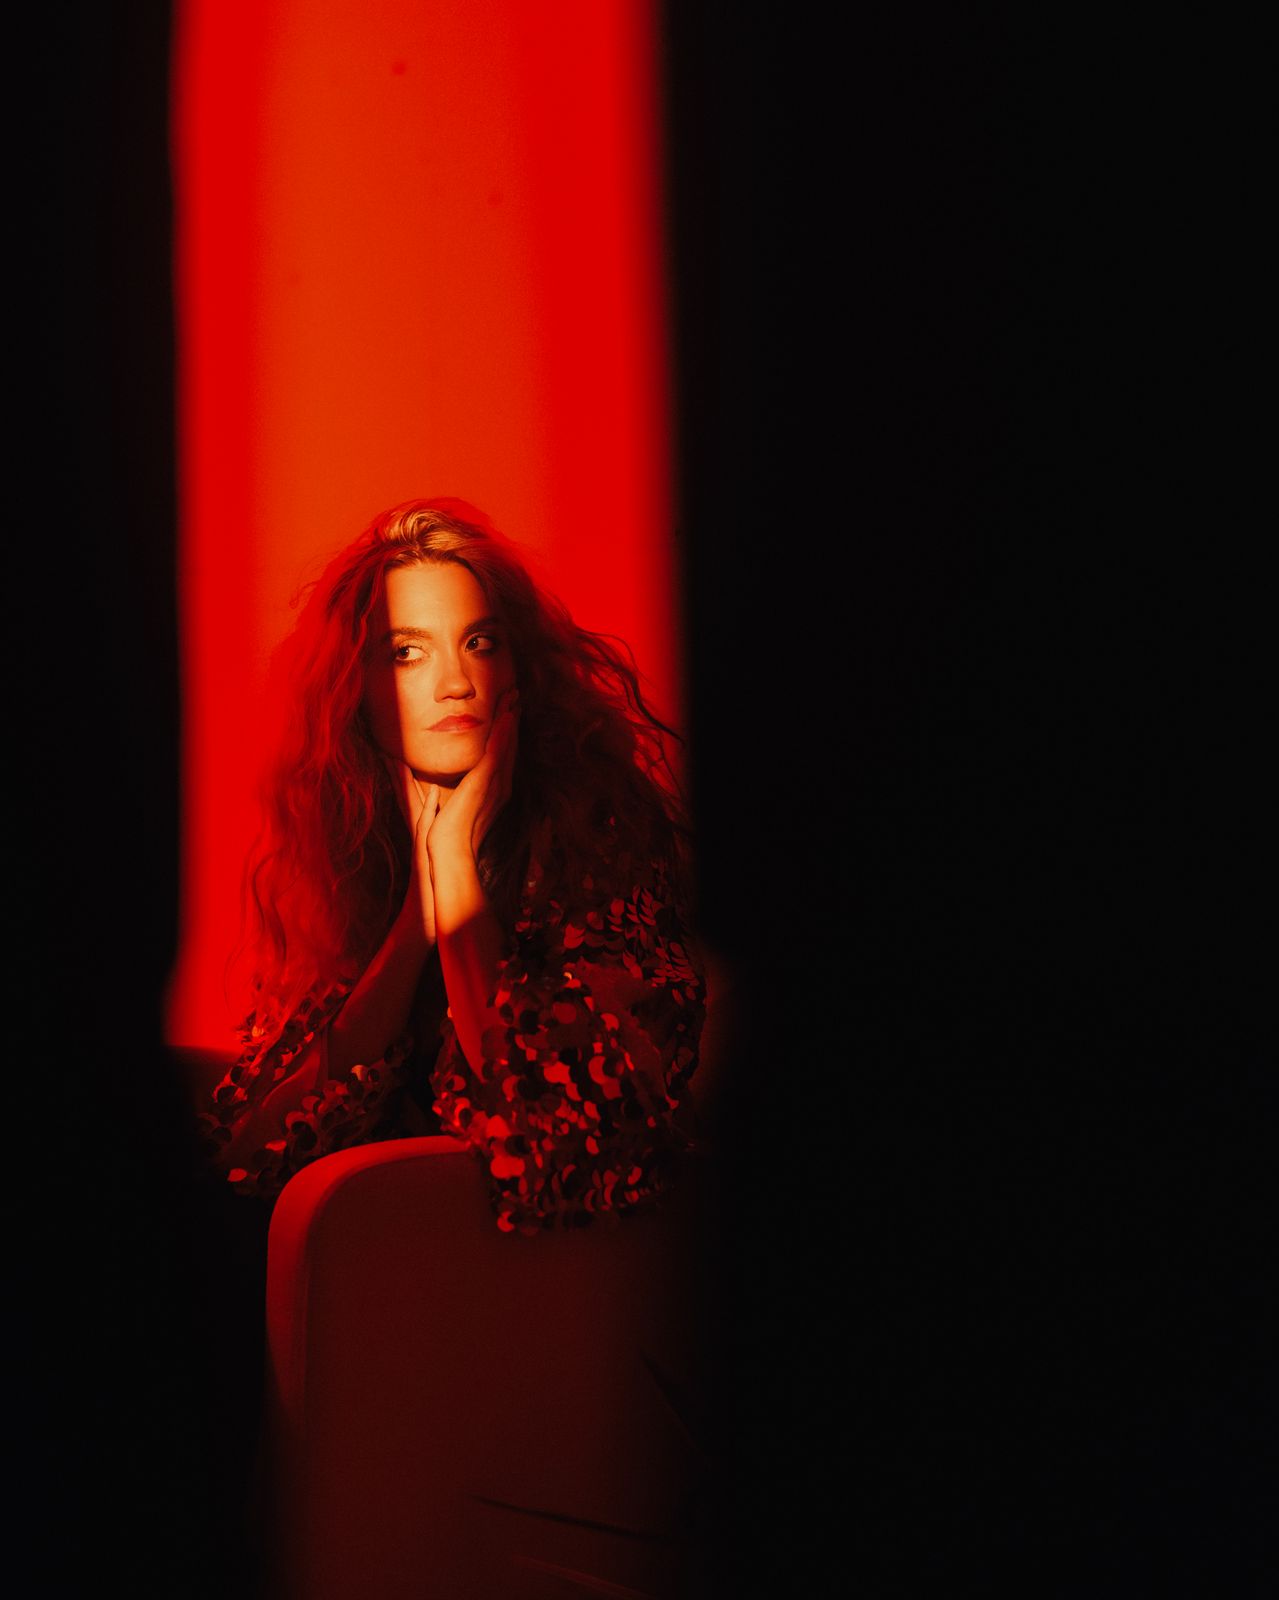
pixel 471 946
pixel 267 1121
pixel 377 1010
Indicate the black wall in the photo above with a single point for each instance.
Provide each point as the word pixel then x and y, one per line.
pixel 970 506
pixel 120 1450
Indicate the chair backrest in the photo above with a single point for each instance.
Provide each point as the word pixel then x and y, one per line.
pixel 462 1413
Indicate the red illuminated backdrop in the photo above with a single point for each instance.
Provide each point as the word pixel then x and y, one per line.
pixel 418 251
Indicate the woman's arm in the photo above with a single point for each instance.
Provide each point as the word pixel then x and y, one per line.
pixel 593 1033
pixel 370 1022
pixel 377 1011
pixel 279 1107
pixel 320 1084
pixel 570 1042
pixel 471 947
pixel 471 938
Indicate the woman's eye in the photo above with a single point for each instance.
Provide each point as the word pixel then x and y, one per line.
pixel 407 652
pixel 482 644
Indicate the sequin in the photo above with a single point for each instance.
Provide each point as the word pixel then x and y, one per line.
pixel 571 1112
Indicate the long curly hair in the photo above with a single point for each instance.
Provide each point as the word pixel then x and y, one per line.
pixel 329 869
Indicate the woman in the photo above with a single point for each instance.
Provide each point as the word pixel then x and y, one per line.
pixel 466 900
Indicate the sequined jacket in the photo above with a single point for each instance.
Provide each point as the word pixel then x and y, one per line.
pixel 573 1110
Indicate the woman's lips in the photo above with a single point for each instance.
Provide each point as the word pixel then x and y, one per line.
pixel 454 725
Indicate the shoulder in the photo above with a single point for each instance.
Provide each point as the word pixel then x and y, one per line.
pixel 615 904
pixel 599 865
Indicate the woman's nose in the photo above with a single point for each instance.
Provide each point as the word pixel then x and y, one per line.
pixel 454 682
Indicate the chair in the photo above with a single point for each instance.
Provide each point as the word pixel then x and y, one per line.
pixel 461 1414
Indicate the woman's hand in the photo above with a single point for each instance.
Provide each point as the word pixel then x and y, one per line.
pixel 474 806
pixel 420 807
pixel 470 936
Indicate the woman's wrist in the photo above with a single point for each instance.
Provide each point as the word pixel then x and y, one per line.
pixel 456 888
pixel 408 938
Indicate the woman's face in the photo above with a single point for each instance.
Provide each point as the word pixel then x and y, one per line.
pixel 437 661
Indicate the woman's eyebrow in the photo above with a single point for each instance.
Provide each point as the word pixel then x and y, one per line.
pixel 425 633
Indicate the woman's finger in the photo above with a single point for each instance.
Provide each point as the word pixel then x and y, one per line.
pixel 430 798
pixel 412 793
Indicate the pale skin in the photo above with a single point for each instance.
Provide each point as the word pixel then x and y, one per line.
pixel 449 661
pixel 437 655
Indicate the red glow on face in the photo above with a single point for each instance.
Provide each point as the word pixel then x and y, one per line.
pixel 418 253
pixel 436 670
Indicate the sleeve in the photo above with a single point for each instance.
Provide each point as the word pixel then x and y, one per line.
pixel 283 1084
pixel 599 1014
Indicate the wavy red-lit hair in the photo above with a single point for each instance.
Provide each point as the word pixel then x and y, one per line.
pixel 330 866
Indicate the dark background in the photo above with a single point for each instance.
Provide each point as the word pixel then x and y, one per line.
pixel 973 500
pixel 969 345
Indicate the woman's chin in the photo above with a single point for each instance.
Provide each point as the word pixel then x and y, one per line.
pixel 449 762
pixel 445 780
